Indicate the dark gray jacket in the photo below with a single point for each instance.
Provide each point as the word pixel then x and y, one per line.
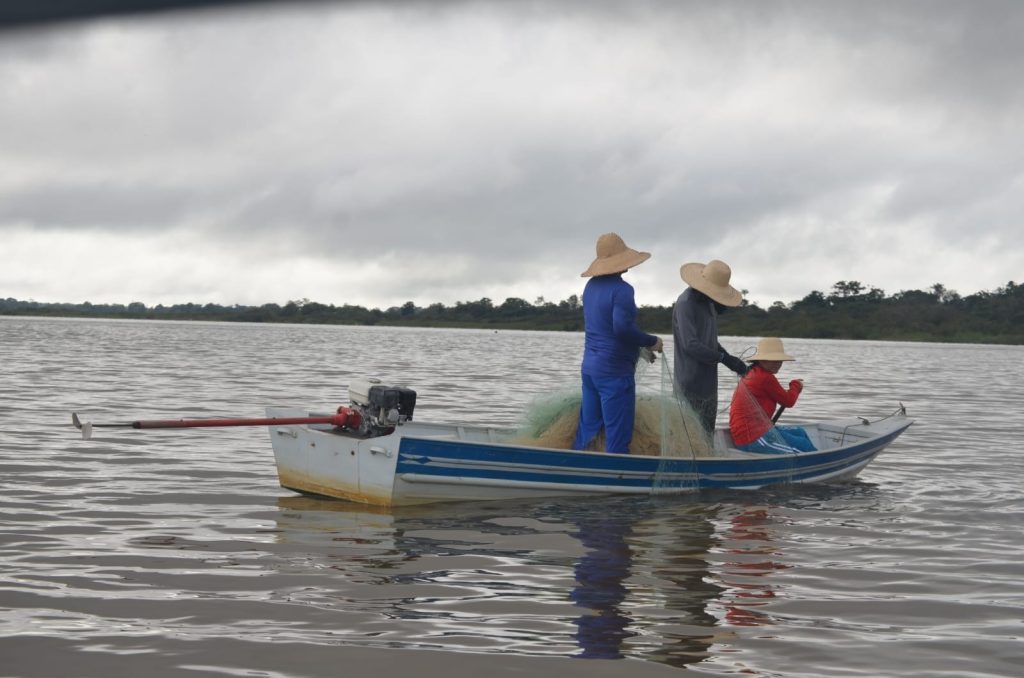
pixel 697 351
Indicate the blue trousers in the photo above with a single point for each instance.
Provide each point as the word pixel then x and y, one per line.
pixel 781 439
pixel 608 403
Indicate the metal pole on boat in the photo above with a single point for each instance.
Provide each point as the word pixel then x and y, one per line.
pixel 344 417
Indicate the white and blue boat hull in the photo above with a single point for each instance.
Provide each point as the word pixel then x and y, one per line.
pixel 427 463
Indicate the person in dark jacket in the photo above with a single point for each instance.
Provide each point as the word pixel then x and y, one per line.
pixel 695 330
pixel 611 347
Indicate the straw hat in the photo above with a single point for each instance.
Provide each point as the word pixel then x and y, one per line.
pixel 769 348
pixel 713 280
pixel 614 257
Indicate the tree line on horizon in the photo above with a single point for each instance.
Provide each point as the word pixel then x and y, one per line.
pixel 851 310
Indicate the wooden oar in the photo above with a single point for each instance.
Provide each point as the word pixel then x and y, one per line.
pixel 343 417
pixel 778 414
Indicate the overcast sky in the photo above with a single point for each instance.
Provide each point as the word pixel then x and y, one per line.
pixel 379 152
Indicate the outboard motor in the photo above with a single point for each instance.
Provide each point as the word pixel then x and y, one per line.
pixel 382 407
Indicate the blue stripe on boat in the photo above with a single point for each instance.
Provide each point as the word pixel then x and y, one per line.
pixel 450 458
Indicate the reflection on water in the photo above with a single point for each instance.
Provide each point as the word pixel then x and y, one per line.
pixel 679 554
pixel 748 541
pixel 600 589
pixel 634 582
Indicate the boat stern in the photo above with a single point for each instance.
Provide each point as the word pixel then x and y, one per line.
pixel 321 460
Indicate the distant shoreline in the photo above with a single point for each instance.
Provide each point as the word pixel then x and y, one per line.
pixel 512 328
pixel 850 312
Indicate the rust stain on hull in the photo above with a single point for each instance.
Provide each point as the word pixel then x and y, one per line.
pixel 299 482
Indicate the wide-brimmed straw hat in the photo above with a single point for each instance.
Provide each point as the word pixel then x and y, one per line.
pixel 713 280
pixel 769 348
pixel 614 257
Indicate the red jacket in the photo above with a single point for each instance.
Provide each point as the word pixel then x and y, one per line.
pixel 753 403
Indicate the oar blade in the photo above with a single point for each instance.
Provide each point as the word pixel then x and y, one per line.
pixel 85 428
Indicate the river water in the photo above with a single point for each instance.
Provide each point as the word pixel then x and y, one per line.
pixel 176 553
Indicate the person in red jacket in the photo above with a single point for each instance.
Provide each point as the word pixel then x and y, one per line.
pixel 754 401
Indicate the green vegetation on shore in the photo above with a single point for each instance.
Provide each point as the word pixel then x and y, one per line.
pixel 850 311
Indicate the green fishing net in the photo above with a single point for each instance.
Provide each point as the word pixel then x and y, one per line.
pixel 663 426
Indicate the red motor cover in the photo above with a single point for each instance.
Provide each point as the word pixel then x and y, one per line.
pixel 348 418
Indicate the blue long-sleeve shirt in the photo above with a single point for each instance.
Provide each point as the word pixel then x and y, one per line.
pixel 612 340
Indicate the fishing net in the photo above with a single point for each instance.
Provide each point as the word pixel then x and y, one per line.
pixel 663 426
pixel 683 440
pixel 551 421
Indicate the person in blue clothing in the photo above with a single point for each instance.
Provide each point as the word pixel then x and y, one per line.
pixel 611 347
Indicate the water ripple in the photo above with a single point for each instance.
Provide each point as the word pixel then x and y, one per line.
pixel 178 549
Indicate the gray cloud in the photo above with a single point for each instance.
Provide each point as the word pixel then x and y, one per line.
pixel 446 151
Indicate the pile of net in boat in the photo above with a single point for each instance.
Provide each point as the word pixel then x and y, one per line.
pixel 663 426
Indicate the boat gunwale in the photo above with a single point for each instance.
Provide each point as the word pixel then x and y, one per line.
pixel 730 454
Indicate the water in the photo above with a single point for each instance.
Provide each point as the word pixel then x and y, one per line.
pixel 176 553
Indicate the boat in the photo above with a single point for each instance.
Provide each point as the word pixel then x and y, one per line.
pixel 382 457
